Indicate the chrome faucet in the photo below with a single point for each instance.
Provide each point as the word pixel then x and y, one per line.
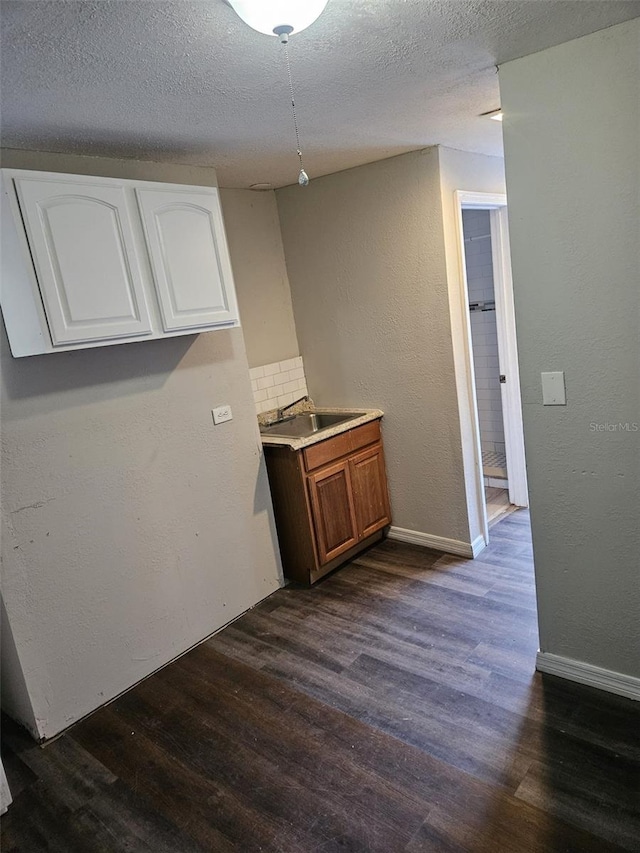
pixel 280 412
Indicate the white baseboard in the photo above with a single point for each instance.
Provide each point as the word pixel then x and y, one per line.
pixel 586 673
pixel 438 543
pixel 478 545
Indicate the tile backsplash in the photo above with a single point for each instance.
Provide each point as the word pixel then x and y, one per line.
pixel 278 384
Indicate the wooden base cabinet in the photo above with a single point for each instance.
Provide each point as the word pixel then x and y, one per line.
pixel 330 500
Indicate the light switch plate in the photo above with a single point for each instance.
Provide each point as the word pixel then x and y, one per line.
pixel 222 414
pixel 553 390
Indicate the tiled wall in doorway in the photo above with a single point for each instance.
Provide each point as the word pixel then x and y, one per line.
pixel 477 246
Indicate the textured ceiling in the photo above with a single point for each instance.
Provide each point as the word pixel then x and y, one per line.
pixel 188 82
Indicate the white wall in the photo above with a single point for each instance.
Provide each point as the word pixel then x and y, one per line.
pixel 366 261
pixel 572 145
pixel 257 257
pixel 5 793
pixel 132 528
pixel 13 688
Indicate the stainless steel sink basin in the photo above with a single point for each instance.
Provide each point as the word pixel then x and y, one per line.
pixel 307 423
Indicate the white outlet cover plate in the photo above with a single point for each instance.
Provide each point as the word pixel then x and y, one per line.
pixel 553 390
pixel 222 414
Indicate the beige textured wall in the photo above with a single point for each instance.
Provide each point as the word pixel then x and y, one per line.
pixel 257 256
pixel 132 527
pixel 460 170
pixel 15 696
pixel 572 145
pixel 366 261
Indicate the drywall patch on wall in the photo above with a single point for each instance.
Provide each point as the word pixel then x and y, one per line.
pixel 137 527
pixel 572 136
pixel 260 273
pixel 366 260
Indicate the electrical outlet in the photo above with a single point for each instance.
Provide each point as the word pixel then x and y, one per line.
pixel 222 414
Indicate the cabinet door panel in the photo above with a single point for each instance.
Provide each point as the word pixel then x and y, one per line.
pixel 85 260
pixel 333 513
pixel 189 257
pixel 370 496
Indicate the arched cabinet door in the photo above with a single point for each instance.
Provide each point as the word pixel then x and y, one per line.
pixel 85 260
pixel 189 257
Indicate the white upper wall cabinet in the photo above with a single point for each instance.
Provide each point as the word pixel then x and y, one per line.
pixel 189 257
pixel 85 260
pixel 89 261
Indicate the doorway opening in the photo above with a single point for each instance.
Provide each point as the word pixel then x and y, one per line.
pixel 492 357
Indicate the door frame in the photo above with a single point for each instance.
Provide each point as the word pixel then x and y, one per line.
pixel 496 203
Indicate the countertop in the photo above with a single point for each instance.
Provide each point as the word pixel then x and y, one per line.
pixel 364 417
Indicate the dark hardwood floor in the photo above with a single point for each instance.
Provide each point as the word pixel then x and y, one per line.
pixel 393 707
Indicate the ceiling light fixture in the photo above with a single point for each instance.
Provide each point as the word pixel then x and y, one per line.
pixel 282 18
pixel 496 115
pixel 278 17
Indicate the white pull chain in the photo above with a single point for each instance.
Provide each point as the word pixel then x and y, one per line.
pixel 303 178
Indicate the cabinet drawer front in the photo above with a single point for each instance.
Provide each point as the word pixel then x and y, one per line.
pixel 189 258
pixel 85 259
pixel 327 451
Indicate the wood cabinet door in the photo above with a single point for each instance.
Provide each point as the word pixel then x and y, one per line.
pixel 369 486
pixel 332 506
pixel 189 257
pixel 85 258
